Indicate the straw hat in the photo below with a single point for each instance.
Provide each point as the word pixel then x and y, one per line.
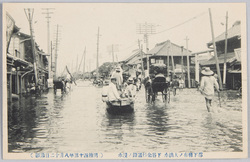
pixel 207 71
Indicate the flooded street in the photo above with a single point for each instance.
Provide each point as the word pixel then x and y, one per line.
pixel 78 121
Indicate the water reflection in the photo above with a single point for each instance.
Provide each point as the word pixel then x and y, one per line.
pixel 78 121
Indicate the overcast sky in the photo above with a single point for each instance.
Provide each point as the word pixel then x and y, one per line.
pixel 117 22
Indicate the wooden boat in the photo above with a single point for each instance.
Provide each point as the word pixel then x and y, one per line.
pixel 120 107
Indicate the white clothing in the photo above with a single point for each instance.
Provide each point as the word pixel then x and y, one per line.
pixel 119 78
pixel 105 93
pixel 207 86
pixel 130 90
pixel 113 94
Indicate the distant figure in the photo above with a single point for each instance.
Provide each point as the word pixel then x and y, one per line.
pixel 175 84
pixel 208 82
pixel 113 94
pixel 118 76
pixel 181 83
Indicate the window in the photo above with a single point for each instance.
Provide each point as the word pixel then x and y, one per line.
pixel 160 61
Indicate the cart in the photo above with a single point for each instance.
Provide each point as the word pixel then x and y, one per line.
pixel 157 85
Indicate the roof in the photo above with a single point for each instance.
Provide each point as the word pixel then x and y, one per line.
pixel 230 58
pixel 168 48
pixel 134 58
pixel 234 31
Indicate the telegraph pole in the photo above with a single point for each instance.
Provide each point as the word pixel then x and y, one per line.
pixel 113 57
pixel 97 53
pixel 84 62
pixel 188 67
pixel 146 29
pixel 182 68
pixel 225 56
pixel 56 55
pixel 47 12
pixel 140 50
pixel 214 47
pixel 29 14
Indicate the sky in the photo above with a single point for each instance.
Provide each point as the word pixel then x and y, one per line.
pixel 117 22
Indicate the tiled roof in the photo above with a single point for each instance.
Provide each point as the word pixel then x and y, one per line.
pixel 167 47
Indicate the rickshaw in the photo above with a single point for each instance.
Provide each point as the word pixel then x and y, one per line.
pixel 157 83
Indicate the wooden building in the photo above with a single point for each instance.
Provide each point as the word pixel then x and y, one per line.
pixel 233 56
pixel 173 56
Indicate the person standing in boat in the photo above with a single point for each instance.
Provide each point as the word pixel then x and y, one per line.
pixel 113 94
pixel 130 90
pixel 119 78
pixel 207 85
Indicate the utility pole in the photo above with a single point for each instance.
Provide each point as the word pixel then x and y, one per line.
pixel 146 29
pixel 172 57
pixel 215 50
pixel 141 54
pixel 97 53
pixel 48 35
pixel 225 56
pixel 168 61
pixel 84 62
pixel 56 50
pixel 182 68
pixel 29 14
pixel 188 67
pixel 111 50
pixel 113 57
pixel 51 56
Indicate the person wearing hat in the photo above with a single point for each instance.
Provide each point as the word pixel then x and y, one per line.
pixel 130 89
pixel 112 93
pixel 119 78
pixel 208 82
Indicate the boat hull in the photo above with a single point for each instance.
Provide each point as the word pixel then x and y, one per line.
pixel 120 107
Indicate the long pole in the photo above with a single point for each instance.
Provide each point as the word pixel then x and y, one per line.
pixel 225 56
pixel 168 62
pixel 48 34
pixel 182 68
pixel 215 51
pixel 140 51
pixel 29 16
pixel 188 68
pixel 55 74
pixel 51 58
pixel 97 53
pixel 84 62
pixel 113 57
pixel 146 38
pixel 172 60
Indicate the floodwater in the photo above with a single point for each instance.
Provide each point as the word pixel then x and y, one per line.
pixel 78 121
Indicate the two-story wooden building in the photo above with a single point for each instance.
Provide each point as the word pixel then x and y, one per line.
pixel 232 57
pixel 19 55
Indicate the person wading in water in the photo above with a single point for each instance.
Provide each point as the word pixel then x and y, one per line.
pixel 208 82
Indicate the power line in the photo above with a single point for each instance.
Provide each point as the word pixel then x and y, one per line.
pixel 193 18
